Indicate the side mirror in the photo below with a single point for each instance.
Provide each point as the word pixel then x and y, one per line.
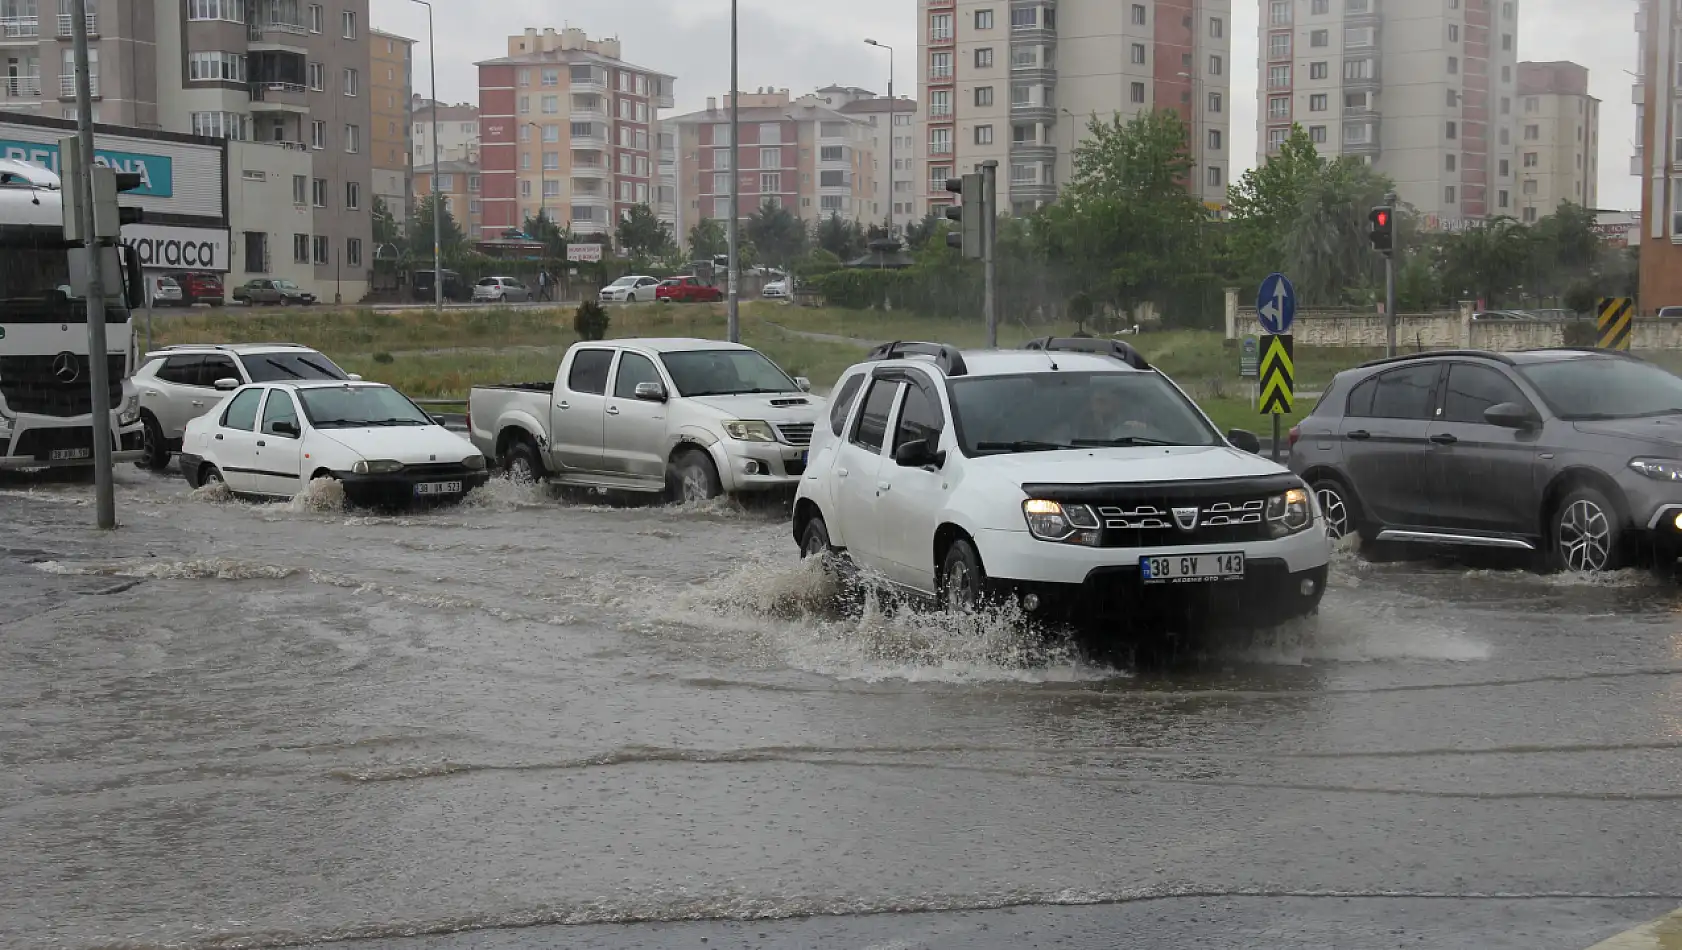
pixel 651 392
pixel 227 384
pixel 289 429
pixel 1244 440
pixel 1510 415
pixel 917 453
pixel 804 384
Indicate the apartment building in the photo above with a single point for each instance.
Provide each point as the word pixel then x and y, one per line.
pixel 391 83
pixel 1425 92
pixel 1018 82
pixel 458 131
pixel 806 157
pixel 1658 157
pixel 894 145
pixel 286 75
pixel 666 205
pixel 461 185
pixel 1559 139
pixel 569 128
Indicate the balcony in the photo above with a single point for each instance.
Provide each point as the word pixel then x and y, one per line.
pixel 1032 151
pixel 596 83
pixel 66 26
pixel 588 172
pixel 1370 80
pixel 67 87
pixel 279 97
pixel 19 28
pixel 595 113
pixel 22 87
pixel 1038 111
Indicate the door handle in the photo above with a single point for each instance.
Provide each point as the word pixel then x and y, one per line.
pixel 1444 438
pixel 218 436
pixel 839 473
pixel 260 442
pixel 884 486
pixel 1359 435
pixel 199 403
pixel 562 405
pixel 613 410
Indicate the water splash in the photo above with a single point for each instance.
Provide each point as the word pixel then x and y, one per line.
pixel 320 495
pixel 1349 632
pixel 158 569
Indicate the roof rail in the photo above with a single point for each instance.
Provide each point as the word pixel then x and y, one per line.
pixel 1431 354
pixel 950 361
pixel 1080 344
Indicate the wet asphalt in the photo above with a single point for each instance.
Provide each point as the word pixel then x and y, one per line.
pixel 528 723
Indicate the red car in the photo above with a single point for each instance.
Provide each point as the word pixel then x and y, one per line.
pixel 199 287
pixel 687 290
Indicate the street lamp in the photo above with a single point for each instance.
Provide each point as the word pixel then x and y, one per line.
pixel 542 176
pixel 732 308
pixel 437 201
pixel 893 133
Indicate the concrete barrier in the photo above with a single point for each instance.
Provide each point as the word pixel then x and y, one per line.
pixel 1438 331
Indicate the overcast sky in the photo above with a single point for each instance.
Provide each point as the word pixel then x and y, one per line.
pixel 801 45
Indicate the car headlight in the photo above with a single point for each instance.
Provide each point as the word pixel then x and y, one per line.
pixel 130 413
pixel 1290 513
pixel 376 467
pixel 1055 521
pixel 750 430
pixel 1664 470
pixel 474 462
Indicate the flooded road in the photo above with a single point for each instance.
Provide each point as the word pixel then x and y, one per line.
pixel 231 725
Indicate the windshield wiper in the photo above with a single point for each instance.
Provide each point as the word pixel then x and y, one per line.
pixel 398 422
pixel 1117 443
pixel 285 369
pixel 1025 445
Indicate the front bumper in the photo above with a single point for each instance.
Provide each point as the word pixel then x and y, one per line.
pixel 32 446
pixel 761 466
pixel 1269 594
pixel 398 488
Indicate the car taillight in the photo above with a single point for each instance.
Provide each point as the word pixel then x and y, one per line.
pixel 1296 433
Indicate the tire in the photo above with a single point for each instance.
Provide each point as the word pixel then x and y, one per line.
pixel 814 541
pixel 1585 533
pixel 522 463
pixel 963 580
pixel 156 458
pixel 210 475
pixel 692 478
pixel 1337 503
pixel 216 303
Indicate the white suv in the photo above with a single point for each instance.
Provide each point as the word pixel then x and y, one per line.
pixel 178 384
pixel 1071 477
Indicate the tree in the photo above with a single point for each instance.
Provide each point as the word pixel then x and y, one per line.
pixel 591 321
pixel 707 239
pixel 451 237
pixel 1326 250
pixel 841 237
pixel 1266 204
pixel 642 233
pixel 386 228
pixel 918 233
pixel 776 233
pixel 542 228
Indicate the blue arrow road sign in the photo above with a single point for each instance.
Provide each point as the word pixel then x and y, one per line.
pixel 1276 305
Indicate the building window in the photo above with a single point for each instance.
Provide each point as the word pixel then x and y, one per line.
pixel 300 189
pixel 1506 42
pixel 317 18
pixel 1454 65
pixel 1501 199
pixel 940 27
pixel 1214 140
pixel 318 77
pixel 1138 92
pixel 551 105
pixel 1279 13
pixel 1506 168
pixel 230 10
pixel 1278 107
pixel 984 135
pixel 473 183
pixel 319 247
pixel 1317 134
pixel 940 141
pixel 984 58
pixel 1278 77
pixel 353 195
pixel 1532 159
pixel 1454 33
pixel 1449 162
pixel 1532 133
pixel 937 177
pixel 1318 39
pixel 984 19
pixel 551 77
pixel 318 134
pixel 770 158
pixel 318 192
pixel 1320 7
pixel 1530 186
pixel 1449 195
pixel 353 139
pixel 216 67
pixel 940 102
pixel 525 163
pixel 1317 103
pixel 983 95
pixel 1319 71
pixel 1139 14
pixel 1216 65
pixel 1138 54
pixel 551 133
pixel 1215 103
pixel 1217 178
pixel 1024 18
pixel 1452 131
pixel 220 125
pixel 552 161
pixel 1217 27
pixel 771 182
pixel 1506 106
pixel 349 24
pixel 940 65
pixel 353 82
pixel 300 248
pixel 1279 45
pixel 721 184
pixel 721 158
pixel 525 189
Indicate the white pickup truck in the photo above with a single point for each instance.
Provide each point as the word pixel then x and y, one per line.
pixel 691 419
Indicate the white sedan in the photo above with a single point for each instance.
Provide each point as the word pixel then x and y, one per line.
pixel 630 289
pixel 272 439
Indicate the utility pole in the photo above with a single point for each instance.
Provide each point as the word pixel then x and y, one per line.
pixel 1390 284
pixel 99 364
pixel 732 308
pixel 437 199
pixel 893 131
pixel 989 233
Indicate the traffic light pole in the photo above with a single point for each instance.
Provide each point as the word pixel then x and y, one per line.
pixel 989 232
pixel 1390 284
pixel 99 364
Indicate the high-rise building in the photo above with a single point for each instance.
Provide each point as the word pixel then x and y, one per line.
pixel 391 83
pixel 1425 92
pixel 1558 139
pixel 460 186
pixel 894 145
pixel 666 204
pixel 1018 82
pixel 458 131
pixel 1657 110
pixel 267 75
pixel 800 155
pixel 569 129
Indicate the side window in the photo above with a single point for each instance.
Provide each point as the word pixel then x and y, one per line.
pixel 183 370
pixel 217 367
pixel 919 418
pixel 1409 393
pixel 589 371
pixel 634 368
pixel 242 410
pixel 1360 400
pixel 1472 389
pixel 841 404
pixel 872 426
pixel 279 408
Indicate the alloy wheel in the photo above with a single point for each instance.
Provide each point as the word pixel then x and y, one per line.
pixel 1585 535
pixel 958 594
pixel 1336 511
pixel 519 470
pixel 695 485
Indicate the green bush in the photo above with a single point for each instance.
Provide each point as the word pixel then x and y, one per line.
pixel 591 321
pixel 1581 333
pixel 383 358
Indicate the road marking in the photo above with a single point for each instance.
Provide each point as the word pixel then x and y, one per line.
pixel 1662 934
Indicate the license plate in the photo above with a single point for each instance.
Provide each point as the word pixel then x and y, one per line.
pixel 1191 568
pixel 66 455
pixel 438 488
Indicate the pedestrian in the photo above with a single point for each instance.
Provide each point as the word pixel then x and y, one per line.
pixel 543 283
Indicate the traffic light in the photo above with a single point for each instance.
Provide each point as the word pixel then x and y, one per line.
pixel 1383 233
pixel 970 212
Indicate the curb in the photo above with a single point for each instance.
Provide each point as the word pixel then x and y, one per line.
pixel 1662 934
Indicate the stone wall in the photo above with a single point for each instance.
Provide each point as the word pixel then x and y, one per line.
pixel 1437 331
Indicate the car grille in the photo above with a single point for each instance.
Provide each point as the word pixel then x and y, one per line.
pixel 40 443
pixel 796 433
pixel 1219 521
pixel 29 384
pixel 438 470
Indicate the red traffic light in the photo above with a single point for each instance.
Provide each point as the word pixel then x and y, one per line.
pixel 1382 219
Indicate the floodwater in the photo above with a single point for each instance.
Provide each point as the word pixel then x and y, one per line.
pixel 236 725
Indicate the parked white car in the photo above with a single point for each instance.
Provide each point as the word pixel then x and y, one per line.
pixel 272 439
pixel 165 292
pixel 177 384
pixel 775 290
pixel 632 289
pixel 689 418
pixel 1075 479
pixel 501 290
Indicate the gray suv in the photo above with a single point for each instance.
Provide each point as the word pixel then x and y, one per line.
pixel 1574 454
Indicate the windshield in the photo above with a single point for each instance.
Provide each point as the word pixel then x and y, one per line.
pixel 285 285
pixel 1045 412
pixel 488 282
pixel 1585 389
pixel 623 282
pixel 355 407
pixel 279 367
pixel 35 288
pixel 723 372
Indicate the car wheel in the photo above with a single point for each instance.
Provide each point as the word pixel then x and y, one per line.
pixel 1585 535
pixel 1338 506
pixel 814 541
pixel 210 475
pixel 156 458
pixel 522 464
pixel 963 580
pixel 693 478
pixel 216 303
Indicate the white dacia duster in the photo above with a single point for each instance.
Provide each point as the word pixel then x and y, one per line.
pixel 1070 476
